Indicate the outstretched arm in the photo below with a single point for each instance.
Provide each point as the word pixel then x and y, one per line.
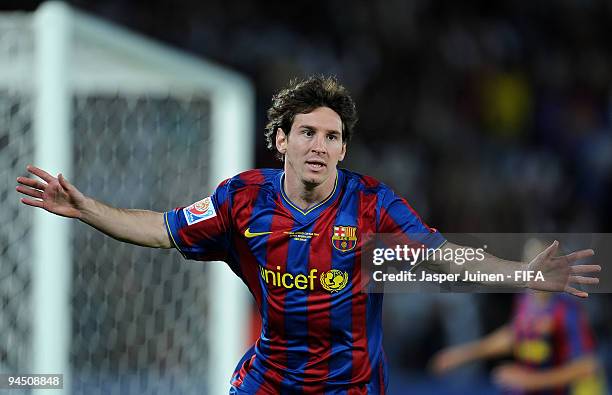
pixel 58 196
pixel 514 376
pixel 560 272
pixel 496 344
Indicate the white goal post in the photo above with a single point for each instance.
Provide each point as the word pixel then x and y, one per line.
pixel 130 121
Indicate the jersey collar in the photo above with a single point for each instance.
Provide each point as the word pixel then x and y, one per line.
pixel 317 207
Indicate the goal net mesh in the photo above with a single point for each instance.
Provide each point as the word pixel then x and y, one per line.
pixel 139 315
pixel 16 151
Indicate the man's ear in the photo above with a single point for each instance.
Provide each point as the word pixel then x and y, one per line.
pixel 342 153
pixel 281 141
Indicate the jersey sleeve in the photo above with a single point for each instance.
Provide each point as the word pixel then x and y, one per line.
pixel 201 231
pixel 399 218
pixel 577 337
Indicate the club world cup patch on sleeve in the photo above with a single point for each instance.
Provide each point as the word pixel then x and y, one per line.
pixel 199 211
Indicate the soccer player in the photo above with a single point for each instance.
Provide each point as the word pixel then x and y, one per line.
pixel 293 236
pixel 551 342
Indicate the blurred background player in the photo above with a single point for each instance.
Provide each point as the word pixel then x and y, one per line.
pixel 551 341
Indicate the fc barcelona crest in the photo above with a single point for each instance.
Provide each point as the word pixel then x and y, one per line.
pixel 344 238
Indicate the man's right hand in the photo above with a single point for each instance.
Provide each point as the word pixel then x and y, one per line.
pixel 54 194
pixel 58 196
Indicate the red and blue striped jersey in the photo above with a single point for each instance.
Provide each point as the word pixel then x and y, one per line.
pixel 549 333
pixel 320 332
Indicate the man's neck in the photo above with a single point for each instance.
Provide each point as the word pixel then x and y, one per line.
pixel 306 196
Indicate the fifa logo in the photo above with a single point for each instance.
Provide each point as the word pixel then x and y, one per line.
pixel 344 238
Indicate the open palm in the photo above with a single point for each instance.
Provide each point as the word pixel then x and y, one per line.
pixel 560 273
pixel 54 194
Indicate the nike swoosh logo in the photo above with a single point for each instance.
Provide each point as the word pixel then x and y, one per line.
pixel 248 234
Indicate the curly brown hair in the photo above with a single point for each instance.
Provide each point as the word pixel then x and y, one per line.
pixel 304 96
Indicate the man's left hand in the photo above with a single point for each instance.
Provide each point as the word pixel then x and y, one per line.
pixel 560 272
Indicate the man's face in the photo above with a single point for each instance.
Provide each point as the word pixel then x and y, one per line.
pixel 313 147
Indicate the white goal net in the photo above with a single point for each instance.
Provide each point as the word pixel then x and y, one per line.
pixel 143 127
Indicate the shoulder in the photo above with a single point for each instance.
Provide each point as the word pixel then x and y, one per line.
pixel 252 180
pixel 360 182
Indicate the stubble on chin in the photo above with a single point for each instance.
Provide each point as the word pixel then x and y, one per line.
pixel 311 184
